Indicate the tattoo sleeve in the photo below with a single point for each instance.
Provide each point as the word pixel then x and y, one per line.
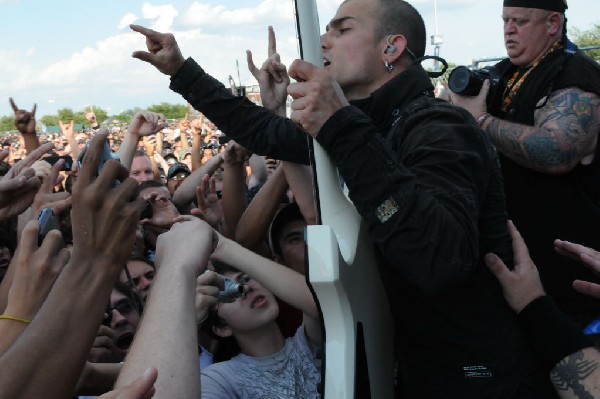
pixel 565 131
pixel 577 375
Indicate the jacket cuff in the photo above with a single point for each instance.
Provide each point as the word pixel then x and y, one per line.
pixel 550 333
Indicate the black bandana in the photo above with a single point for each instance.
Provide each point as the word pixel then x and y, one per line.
pixel 549 5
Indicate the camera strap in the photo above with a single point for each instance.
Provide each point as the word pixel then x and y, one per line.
pixel 433 74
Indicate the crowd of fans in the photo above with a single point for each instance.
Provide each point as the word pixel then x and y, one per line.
pixel 160 176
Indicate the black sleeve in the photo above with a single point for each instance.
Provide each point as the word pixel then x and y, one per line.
pixel 252 126
pixel 550 333
pixel 422 201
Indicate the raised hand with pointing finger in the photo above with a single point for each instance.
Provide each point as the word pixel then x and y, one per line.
pixel 163 51
pixel 272 77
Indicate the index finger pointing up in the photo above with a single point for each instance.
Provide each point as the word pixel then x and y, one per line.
pixel 272 42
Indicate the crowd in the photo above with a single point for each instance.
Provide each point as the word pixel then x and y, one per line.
pixel 168 260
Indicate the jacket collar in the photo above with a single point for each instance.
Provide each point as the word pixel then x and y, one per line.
pixel 385 104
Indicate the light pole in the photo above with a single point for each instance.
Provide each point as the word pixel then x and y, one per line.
pixel 436 39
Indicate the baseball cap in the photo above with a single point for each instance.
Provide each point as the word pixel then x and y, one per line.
pixel 177 168
pixel 283 216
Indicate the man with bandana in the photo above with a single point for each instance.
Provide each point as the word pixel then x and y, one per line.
pixel 543 116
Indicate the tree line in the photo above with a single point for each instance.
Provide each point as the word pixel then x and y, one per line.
pixel 170 111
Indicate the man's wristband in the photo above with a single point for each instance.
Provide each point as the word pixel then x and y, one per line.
pixel 481 120
pixel 550 333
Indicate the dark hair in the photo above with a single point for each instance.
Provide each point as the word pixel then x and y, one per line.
pixel 130 293
pixel 228 346
pixel 138 153
pixel 135 256
pixel 398 17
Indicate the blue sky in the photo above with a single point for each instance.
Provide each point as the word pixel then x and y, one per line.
pixel 71 54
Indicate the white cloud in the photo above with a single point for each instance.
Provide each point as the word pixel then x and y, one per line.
pixel 127 19
pixel 164 15
pixel 211 16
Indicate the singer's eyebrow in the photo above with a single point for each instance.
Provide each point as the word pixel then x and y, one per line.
pixel 335 23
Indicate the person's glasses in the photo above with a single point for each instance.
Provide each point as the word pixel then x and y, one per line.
pixel 179 177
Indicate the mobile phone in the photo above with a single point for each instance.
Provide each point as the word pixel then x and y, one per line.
pixel 54 159
pixel 48 221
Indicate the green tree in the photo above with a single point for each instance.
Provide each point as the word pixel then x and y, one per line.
pixel 169 111
pixel 7 123
pixel 585 38
pixel 49 120
pixel 65 115
pixel 127 115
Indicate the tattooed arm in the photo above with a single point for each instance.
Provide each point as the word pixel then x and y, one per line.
pixel 578 375
pixel 565 133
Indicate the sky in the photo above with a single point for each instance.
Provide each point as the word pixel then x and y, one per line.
pixel 72 54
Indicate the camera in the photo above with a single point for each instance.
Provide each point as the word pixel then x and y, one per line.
pixel 232 291
pixel 468 82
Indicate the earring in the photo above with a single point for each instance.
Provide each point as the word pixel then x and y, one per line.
pixel 388 67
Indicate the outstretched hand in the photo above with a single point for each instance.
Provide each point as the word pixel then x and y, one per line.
pixel 104 217
pixel 272 77
pixel 67 129
pixel 20 185
pixel 589 257
pixel 36 270
pixel 146 123
pixel 24 120
pixel 209 207
pixel 163 50
pixel 521 285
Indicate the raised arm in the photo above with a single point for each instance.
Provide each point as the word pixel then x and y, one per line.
pixel 285 283
pixel 250 125
pixel 104 220
pixel 143 124
pixel 186 193
pixel 166 339
pixel 196 127
pixel 254 223
pixel 234 184
pixel 69 133
pixel 25 124
pixel 36 269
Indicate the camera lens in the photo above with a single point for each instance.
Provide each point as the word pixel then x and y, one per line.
pixel 460 80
